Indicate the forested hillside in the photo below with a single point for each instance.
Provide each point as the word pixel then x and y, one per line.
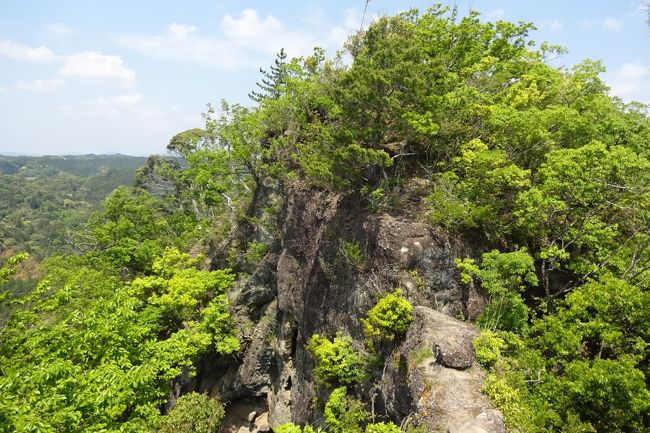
pixel 445 233
pixel 43 200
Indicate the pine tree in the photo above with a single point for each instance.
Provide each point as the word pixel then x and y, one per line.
pixel 271 85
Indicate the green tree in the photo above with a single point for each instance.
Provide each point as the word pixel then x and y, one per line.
pixel 503 276
pixel 337 362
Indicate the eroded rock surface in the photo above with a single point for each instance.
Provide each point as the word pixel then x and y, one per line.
pixel 307 284
pixel 438 380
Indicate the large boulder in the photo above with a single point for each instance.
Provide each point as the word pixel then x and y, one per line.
pixel 436 379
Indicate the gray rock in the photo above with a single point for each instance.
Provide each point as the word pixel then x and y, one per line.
pixel 440 383
pixel 262 423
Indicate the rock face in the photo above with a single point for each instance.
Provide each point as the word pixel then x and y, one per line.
pixel 438 375
pixel 308 283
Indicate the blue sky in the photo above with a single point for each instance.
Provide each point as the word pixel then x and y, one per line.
pixel 98 76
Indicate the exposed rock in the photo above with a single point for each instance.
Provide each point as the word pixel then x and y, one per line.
pixel 262 423
pixel 307 284
pixel 238 414
pixel 437 379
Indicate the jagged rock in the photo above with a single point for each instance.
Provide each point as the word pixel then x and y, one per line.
pixel 437 379
pixel 262 423
pixel 305 285
pixel 260 288
pixel 251 416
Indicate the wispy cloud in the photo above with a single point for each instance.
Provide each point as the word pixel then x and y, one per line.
pixel 106 105
pixel 58 28
pixel 351 23
pixel 18 51
pixel 97 66
pixel 612 24
pixel 495 15
pixel 631 82
pixel 47 85
pixel 553 24
pixel 127 99
pixel 239 41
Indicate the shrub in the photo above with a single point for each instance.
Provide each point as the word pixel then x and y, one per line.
pixel 344 414
pixel 336 360
pixel 488 348
pixel 194 413
pixel 292 428
pixel 353 254
pixel 383 427
pixel 256 252
pixel 389 318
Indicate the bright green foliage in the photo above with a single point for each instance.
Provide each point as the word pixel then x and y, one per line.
pixel 608 318
pixel 488 348
pixel 389 318
pixel 337 362
pixel 177 287
pixel 256 251
pixel 589 212
pixel 86 351
pixel 9 267
pixel 344 414
pixel 582 367
pixel 503 276
pixel 288 428
pixel 479 188
pixel 292 428
pixel 193 413
pixel 132 230
pixel 382 427
pixel 353 255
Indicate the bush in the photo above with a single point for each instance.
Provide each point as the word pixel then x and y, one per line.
pixel 194 413
pixel 353 254
pixel 389 318
pixel 488 348
pixel 344 414
pixel 383 427
pixel 292 428
pixel 336 361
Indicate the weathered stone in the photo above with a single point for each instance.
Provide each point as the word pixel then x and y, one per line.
pixel 440 384
pixel 305 285
pixel 262 423
pixel 251 416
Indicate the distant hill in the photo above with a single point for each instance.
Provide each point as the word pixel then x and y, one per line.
pixel 43 199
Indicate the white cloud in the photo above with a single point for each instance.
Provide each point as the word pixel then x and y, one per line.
pixel 250 30
pixel 612 24
pixel 48 85
pixel 107 105
pixel 129 99
pixel 58 28
pixel 180 31
pixel 19 51
pixel 495 15
pixel 240 41
pixel 630 82
pixel 553 24
pixel 351 24
pixel 95 65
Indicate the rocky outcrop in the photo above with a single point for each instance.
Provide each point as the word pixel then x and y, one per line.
pixel 308 283
pixel 436 380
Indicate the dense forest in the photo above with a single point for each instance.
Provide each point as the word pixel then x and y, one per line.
pixel 534 177
pixel 45 199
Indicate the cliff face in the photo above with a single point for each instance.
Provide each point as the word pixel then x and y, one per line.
pixel 311 282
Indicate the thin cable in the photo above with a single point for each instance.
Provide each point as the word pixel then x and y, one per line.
pixel 363 18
